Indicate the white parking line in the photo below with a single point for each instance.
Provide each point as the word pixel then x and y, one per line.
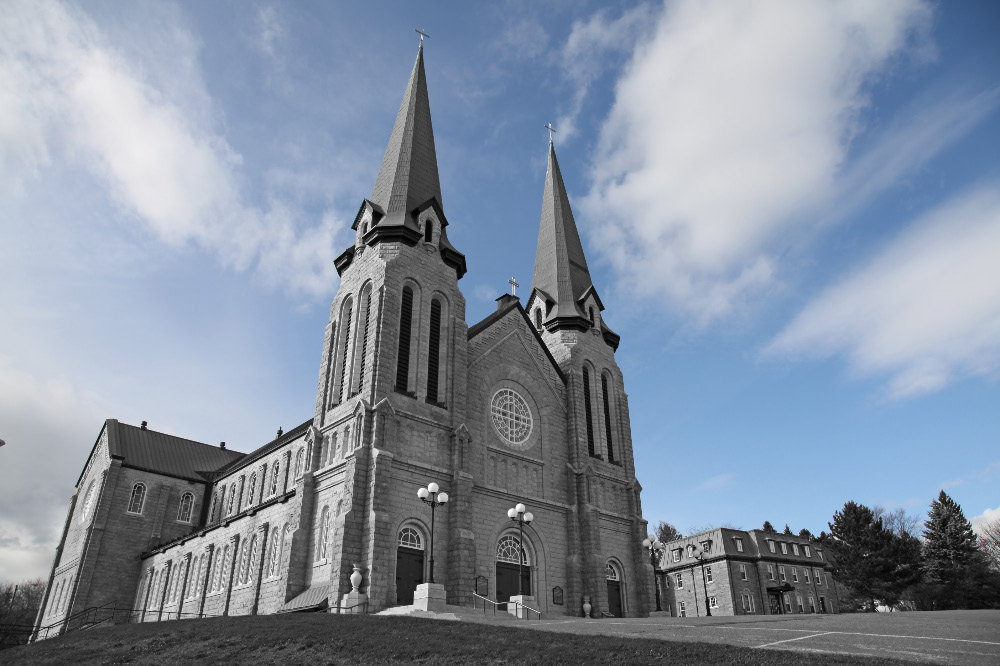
pixel 789 640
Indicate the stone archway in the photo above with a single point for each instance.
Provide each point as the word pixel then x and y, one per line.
pixel 409 563
pixel 507 554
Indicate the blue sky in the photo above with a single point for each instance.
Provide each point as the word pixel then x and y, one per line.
pixel 791 211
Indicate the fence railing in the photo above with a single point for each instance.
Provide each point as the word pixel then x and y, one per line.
pixel 527 609
pixel 351 610
pixel 476 598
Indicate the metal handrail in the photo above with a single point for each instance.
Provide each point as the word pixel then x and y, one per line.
pixel 529 608
pixel 485 601
pixel 351 608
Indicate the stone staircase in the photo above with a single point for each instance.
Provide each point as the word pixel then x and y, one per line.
pixel 461 613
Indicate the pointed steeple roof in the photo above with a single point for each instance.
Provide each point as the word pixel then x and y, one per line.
pixel 408 177
pixel 561 273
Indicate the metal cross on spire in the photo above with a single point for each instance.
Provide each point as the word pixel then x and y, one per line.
pixel 551 130
pixel 422 35
pixel 513 286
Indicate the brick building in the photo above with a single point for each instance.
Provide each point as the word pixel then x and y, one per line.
pixel 527 405
pixel 745 573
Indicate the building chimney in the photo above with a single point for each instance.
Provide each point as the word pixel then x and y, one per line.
pixel 143 425
pixel 222 445
pixel 506 300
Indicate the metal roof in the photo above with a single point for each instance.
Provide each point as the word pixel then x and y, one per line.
pixel 166 454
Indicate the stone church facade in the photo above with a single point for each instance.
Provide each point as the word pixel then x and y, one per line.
pixel 527 405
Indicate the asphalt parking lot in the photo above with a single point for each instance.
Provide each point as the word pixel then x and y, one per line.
pixel 968 638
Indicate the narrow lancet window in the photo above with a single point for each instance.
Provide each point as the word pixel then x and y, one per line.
pixel 587 409
pixel 428 231
pixel 607 418
pixel 347 345
pixel 403 362
pixel 432 351
pixel 364 340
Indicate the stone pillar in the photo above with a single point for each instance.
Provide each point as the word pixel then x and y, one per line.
pixel 234 540
pixel 209 550
pixel 264 531
pixel 461 541
pixel 166 588
pixel 184 585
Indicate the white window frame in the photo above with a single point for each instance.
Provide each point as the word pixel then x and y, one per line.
pixel 142 499
pixel 795 574
pixel 706 546
pixel 682 609
pixel 795 548
pixel 770 546
pixel 784 548
pixel 679 579
pixel 805 572
pixel 708 574
pixel 819 577
pixel 743 572
pixel 677 554
pixel 190 508
pixel 781 573
pixel 798 602
pixel 748 605
pixel 788 602
pixel 713 602
pixel 739 545
pixel 770 572
pixel 808 551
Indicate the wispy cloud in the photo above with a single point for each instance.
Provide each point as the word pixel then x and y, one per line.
pixel 717 482
pixel 69 92
pixel 924 312
pixel 989 472
pixel 730 130
pixel 987 516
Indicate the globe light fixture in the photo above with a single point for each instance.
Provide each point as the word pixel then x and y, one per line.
pixel 654 547
pixel 520 515
pixel 430 495
pixel 699 554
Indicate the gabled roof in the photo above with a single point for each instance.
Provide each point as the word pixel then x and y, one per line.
pixel 503 311
pixel 165 454
pixel 257 454
pixel 560 266
pixel 408 177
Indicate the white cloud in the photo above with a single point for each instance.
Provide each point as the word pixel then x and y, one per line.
pixel 924 312
pixel 67 92
pixel 270 30
pixel 987 516
pixel 730 129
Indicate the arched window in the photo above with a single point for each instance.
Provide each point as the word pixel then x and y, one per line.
pixel 538 319
pixel 433 351
pixel 410 538
pixel 607 418
pixel 252 490
pixel 243 564
pixel 428 231
pixel 588 412
pixel 273 554
pixel 275 471
pixel 283 554
pixel 403 356
pixel 611 572
pixel 88 502
pixel 347 437
pixel 324 534
pixel 334 453
pixel 346 346
pixel 217 501
pixel 230 505
pixel 507 549
pixel 184 509
pixel 299 458
pixel 138 498
pixel 249 557
pixel 364 324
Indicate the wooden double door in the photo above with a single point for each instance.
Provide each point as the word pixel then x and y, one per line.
pixel 409 573
pixel 507 586
pixel 615 598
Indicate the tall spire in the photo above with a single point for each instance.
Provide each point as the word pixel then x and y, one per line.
pixel 408 177
pixel 561 272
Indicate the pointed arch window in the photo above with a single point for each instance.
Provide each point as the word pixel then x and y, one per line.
pixel 138 498
pixel 252 490
pixel 324 534
pixel 345 347
pixel 538 319
pixel 232 499
pixel 403 356
pixel 433 351
pixel 361 341
pixel 184 508
pixel 272 560
pixel 275 471
pixel 607 418
pixel 299 460
pixel 588 412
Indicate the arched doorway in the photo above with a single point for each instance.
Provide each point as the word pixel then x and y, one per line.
pixel 614 590
pixel 508 551
pixel 409 564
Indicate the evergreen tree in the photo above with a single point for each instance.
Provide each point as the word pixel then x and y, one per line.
pixel 805 534
pixel 666 532
pixel 768 527
pixel 861 558
pixel 950 552
pixel 788 530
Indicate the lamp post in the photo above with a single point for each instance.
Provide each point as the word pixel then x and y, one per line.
pixel 699 554
pixel 653 545
pixel 522 517
pixel 430 495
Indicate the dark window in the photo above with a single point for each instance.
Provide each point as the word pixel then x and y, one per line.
pixel 607 418
pixel 364 342
pixel 591 316
pixel 538 319
pixel 347 345
pixel 586 405
pixel 432 351
pixel 428 230
pixel 403 362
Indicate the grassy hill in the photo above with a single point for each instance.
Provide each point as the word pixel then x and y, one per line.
pixel 319 639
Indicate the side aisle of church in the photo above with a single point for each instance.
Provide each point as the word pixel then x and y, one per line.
pixel 527 406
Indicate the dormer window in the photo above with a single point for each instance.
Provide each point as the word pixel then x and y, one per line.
pixel 538 319
pixel 428 231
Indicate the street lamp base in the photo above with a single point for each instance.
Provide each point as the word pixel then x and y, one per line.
pixel 518 610
pixel 430 597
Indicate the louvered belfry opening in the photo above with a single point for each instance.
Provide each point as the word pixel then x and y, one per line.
pixel 364 340
pixel 607 418
pixel 345 354
pixel 433 351
pixel 403 362
pixel 587 409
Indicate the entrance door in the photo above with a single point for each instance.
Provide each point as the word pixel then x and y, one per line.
pixel 822 604
pixel 507 582
pixel 615 598
pixel 409 573
pixel 775 600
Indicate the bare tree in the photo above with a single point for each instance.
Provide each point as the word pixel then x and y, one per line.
pixel 698 529
pixel 989 541
pixel 898 521
pixel 19 604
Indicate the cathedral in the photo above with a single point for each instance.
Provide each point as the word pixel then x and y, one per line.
pixel 526 407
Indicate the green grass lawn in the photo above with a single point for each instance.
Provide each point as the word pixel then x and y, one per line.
pixel 317 639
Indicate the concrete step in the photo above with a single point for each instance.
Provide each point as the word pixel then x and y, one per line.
pixel 452 613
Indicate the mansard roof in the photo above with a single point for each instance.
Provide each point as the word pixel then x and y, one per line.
pixel 560 266
pixel 158 452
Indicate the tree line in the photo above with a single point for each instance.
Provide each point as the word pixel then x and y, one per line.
pixel 882 560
